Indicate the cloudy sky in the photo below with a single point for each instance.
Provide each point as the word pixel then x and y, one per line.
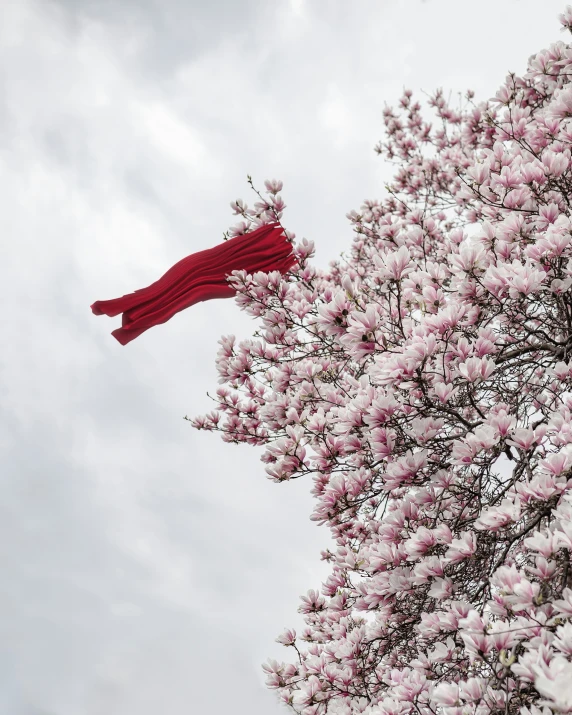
pixel 147 568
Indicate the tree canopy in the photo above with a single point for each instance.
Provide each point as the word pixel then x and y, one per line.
pixel 424 385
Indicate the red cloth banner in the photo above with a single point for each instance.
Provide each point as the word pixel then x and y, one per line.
pixel 200 276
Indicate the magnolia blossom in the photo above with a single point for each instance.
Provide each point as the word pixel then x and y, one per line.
pixel 423 387
pixel 555 684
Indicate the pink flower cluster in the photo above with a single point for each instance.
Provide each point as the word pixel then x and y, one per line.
pixel 425 386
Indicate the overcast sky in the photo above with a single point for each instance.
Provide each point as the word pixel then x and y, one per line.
pixel 147 568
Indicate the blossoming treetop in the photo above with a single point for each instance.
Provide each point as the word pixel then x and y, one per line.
pixel 425 386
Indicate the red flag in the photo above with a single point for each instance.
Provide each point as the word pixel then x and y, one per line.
pixel 200 276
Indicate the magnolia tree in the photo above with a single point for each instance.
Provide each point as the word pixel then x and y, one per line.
pixel 425 387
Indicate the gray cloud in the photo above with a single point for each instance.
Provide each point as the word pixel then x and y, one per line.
pixel 146 567
pixel 168 33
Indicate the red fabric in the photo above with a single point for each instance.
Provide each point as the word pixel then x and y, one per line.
pixel 200 276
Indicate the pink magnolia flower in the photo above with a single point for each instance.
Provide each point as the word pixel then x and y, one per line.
pixel 523 438
pixel 495 518
pixel 563 640
pixel 288 637
pixel 446 694
pixel 564 605
pixel 477 369
pixel 461 548
pixel 309 693
pixel 555 684
pixel 473 689
pixel 444 391
pixel 557 463
pixel 523 279
pixel 396 264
